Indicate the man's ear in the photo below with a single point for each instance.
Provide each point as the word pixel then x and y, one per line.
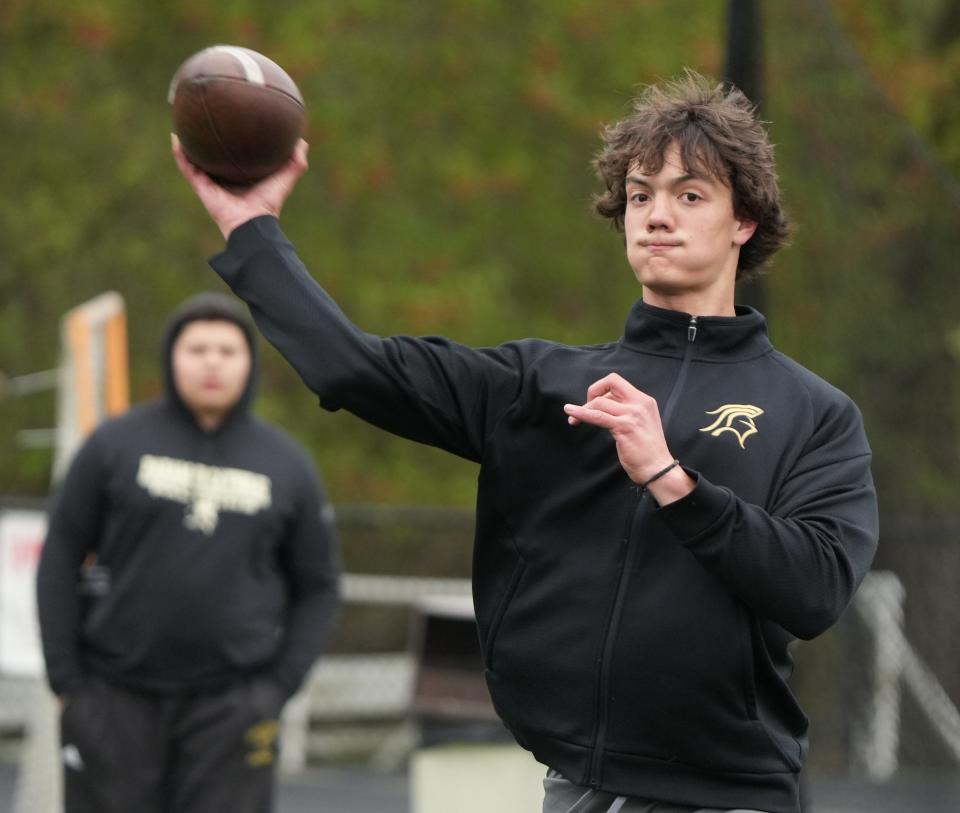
pixel 745 230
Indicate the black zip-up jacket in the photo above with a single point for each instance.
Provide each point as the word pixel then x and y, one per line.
pixel 637 649
pixel 215 556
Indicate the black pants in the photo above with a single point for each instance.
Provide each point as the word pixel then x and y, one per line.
pixel 211 752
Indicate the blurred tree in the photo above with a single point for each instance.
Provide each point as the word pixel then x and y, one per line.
pixel 911 49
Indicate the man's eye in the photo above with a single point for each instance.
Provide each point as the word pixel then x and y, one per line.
pixel 691 197
pixel 638 197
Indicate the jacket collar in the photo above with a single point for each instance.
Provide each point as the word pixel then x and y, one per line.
pixel 650 329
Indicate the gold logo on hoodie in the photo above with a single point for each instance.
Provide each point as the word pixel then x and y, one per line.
pixel 736 418
pixel 205 490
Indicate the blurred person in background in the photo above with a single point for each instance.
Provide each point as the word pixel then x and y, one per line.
pixel 187 584
pixel 658 517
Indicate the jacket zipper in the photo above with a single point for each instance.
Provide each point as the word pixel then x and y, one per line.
pixel 681 381
pixel 637 500
pixel 603 704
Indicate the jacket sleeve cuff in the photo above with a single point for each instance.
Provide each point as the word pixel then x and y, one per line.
pixel 289 684
pixel 697 512
pixel 244 242
pixel 65 683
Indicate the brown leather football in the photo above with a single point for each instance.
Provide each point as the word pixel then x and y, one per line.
pixel 237 113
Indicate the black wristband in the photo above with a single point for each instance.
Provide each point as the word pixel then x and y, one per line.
pixel 660 473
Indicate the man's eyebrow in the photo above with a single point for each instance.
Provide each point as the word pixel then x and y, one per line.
pixel 639 180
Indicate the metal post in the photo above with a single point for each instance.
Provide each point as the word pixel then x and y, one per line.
pixel 744 69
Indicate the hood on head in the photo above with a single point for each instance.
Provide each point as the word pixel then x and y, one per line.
pixel 208 307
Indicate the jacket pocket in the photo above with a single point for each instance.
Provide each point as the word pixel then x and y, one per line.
pixel 502 607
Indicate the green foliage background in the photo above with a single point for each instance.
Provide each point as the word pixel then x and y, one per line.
pixel 450 187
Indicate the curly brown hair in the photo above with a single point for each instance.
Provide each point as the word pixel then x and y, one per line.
pixel 717 131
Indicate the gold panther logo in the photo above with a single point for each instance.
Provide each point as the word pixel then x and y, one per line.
pixel 736 418
pixel 262 739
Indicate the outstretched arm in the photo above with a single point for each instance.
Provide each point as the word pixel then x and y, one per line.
pixel 431 390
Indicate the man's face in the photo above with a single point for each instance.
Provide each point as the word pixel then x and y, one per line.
pixel 211 365
pixel 682 237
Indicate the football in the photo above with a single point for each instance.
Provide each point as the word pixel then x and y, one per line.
pixel 238 114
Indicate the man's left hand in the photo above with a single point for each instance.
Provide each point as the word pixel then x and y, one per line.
pixel 633 419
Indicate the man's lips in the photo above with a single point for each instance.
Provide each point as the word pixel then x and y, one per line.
pixel 660 245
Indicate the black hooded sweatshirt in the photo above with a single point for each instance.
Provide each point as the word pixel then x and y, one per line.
pixel 179 559
pixel 637 649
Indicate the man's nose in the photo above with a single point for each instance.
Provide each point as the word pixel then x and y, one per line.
pixel 661 213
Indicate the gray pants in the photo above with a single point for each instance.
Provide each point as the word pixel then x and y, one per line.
pixel 126 751
pixel 562 796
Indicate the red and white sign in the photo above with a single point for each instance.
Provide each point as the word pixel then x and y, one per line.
pixel 21 540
